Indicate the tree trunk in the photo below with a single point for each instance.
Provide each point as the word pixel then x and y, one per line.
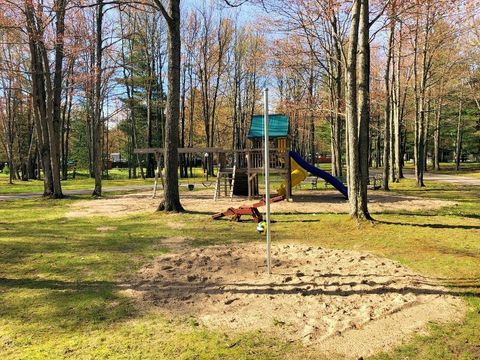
pixel 351 111
pixel 183 162
pixel 39 98
pixel 364 109
pixel 426 136
pixel 436 136
pixel 459 138
pixel 388 102
pixel 397 109
pixel 97 120
pixel 312 149
pixel 57 97
pixel 67 115
pixel 337 131
pixel 172 195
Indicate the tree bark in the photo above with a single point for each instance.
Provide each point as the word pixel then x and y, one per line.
pixel 397 113
pixel 459 137
pixel 97 120
pixel 171 203
pixel 388 103
pixel 39 97
pixel 364 110
pixel 55 130
pixel 436 135
pixel 338 164
pixel 352 111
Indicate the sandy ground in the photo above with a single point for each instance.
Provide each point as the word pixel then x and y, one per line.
pixel 305 202
pixel 349 303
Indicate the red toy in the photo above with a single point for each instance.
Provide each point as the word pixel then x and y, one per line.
pixel 237 213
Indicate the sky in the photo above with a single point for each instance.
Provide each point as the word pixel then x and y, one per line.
pixel 245 13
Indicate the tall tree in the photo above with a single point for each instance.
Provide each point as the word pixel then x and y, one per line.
pixel 171 202
pixel 47 91
pixel 351 100
pixel 363 110
pixel 388 109
pixel 98 103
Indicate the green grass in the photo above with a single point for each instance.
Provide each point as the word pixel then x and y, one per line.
pixel 466 169
pixel 61 280
pixel 81 182
pixel 116 178
pixel 60 284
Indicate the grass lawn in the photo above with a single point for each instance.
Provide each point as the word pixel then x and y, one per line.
pixel 82 181
pixel 466 169
pixel 61 280
pixel 116 178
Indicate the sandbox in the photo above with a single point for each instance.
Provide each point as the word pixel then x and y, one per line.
pixel 340 302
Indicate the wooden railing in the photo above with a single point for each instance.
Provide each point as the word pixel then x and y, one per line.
pixel 254 158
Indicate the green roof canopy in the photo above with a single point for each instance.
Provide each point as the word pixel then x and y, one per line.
pixel 278 126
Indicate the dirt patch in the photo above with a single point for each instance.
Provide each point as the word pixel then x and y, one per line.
pixel 176 243
pixel 351 303
pixel 106 228
pixel 176 225
pixel 306 202
pixel 117 206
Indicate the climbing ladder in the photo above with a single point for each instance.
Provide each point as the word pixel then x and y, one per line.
pixel 232 185
pixel 223 178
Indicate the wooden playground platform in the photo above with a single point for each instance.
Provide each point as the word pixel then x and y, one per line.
pixel 233 168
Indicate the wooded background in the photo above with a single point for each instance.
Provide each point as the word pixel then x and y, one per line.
pixel 80 80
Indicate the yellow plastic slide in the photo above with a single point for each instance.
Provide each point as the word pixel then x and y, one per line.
pixel 298 175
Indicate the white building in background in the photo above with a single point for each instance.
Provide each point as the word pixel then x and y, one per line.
pixel 115 157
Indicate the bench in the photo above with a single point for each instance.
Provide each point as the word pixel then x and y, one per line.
pixel 375 182
pixel 313 181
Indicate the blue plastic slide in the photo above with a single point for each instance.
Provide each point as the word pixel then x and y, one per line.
pixel 337 184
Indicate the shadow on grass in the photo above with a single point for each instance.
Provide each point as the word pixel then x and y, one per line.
pixel 69 305
pixel 453 192
pixel 27 283
pixel 432 226
pixel 59 273
pixel 471 216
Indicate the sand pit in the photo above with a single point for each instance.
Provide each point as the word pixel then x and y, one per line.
pixel 306 202
pixel 350 303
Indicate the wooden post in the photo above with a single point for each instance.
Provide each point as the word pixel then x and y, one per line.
pixel 249 182
pixel 217 187
pixel 158 174
pixel 288 176
pixel 225 182
pixel 232 184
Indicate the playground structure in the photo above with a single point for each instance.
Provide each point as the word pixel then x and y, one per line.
pixel 238 171
pixel 289 163
pixel 159 153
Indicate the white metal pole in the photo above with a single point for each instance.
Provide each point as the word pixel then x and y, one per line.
pixel 267 177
